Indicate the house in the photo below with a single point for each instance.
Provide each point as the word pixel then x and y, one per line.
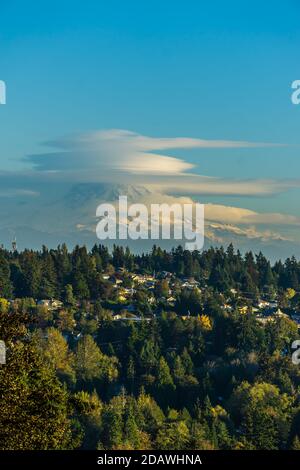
pixel 263 304
pixel 139 278
pixel 115 281
pixel 129 291
pixel 171 300
pixel 51 304
pixel 123 317
pixel 166 274
pixel 243 310
pixel 264 319
pixel 190 285
pixel 150 284
pixel 44 302
pixel 226 306
pixel 273 304
pixel 280 313
pixel 77 336
pixel 56 304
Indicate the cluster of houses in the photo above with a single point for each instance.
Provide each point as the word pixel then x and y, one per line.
pixel 264 310
pixel 50 304
pixel 125 308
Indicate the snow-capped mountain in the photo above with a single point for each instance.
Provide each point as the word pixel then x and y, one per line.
pixel 69 215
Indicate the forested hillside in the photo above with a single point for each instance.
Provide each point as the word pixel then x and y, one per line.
pixel 159 351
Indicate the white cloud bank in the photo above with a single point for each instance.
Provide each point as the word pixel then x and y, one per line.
pixel 120 156
pixel 230 220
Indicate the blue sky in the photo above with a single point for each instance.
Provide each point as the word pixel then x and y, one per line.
pixel 217 70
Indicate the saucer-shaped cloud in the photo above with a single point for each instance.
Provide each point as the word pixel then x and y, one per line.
pixel 123 151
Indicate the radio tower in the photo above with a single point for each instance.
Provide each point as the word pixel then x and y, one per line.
pixel 14 245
